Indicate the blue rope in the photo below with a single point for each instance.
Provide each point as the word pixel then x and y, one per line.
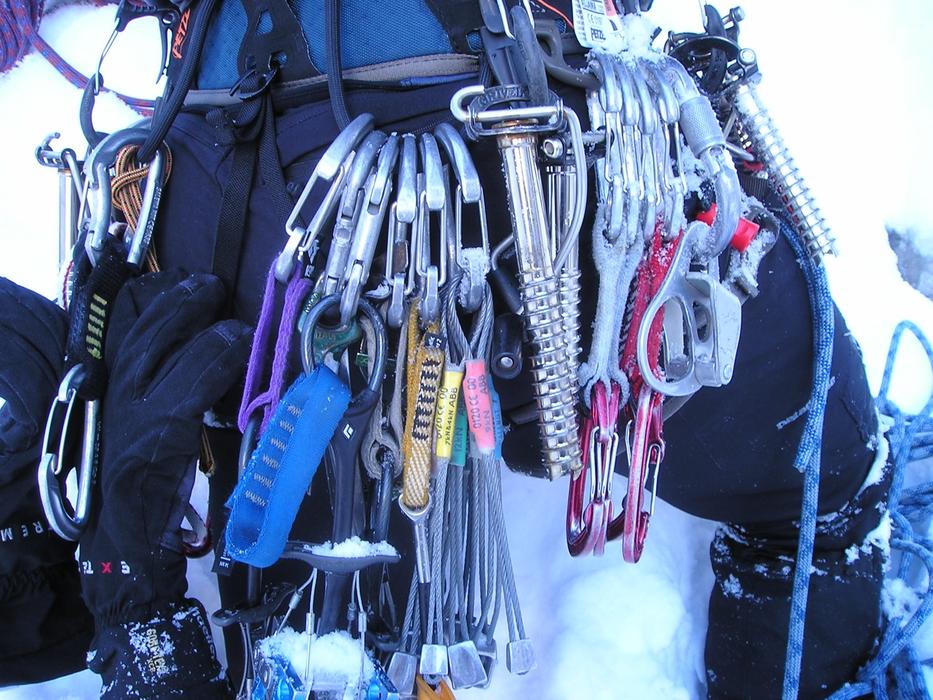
pixel 911 439
pixel 807 459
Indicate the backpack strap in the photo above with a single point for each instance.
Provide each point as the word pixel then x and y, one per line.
pixel 187 44
pixel 274 41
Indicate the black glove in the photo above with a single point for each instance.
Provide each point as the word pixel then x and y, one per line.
pixel 169 360
pixel 45 629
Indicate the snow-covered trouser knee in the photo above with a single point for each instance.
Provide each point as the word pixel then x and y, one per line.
pixel 750 601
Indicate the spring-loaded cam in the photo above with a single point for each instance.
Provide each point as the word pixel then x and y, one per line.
pixel 553 376
pixel 769 147
pixel 561 203
pixel 552 367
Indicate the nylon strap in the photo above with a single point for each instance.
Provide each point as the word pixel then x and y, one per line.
pixel 266 500
pixel 187 46
pixel 90 309
pixel 232 216
pixel 298 288
pixel 426 358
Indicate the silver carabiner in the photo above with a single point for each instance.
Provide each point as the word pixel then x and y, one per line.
pixel 469 186
pixel 98 199
pixel 648 127
pixel 348 213
pixel 333 167
pixel 145 224
pixel 698 311
pixel 611 102
pixel 669 112
pixel 433 199
pixel 402 215
pixel 68 522
pixel 365 238
pixel 632 178
pixel 473 263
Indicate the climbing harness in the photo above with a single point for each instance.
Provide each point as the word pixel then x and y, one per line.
pixel 466 309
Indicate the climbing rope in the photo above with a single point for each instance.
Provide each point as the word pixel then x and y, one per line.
pixel 19 30
pixel 911 439
pixel 807 459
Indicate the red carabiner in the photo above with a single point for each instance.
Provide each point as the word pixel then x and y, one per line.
pixel 646 452
pixel 587 525
pixel 644 438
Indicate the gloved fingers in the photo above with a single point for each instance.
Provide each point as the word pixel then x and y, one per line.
pixel 206 368
pixel 170 321
pixel 32 340
pixel 30 315
pixel 134 298
pixel 27 384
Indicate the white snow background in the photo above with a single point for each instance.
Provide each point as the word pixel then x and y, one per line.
pixel 848 85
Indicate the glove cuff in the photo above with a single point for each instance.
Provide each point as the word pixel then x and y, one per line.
pixel 45 629
pixel 170 655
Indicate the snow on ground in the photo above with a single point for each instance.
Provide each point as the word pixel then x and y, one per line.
pixel 855 115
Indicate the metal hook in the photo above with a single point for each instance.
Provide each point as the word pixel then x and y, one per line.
pixel 67 522
pixel 587 526
pixel 469 190
pixel 99 198
pixel 366 237
pixel 333 167
pixel 145 224
pixel 712 338
pixel 646 450
pixel 349 210
pixel 402 215
pixel 433 199
pixel 378 353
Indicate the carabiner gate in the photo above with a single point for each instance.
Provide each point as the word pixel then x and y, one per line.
pixel 68 522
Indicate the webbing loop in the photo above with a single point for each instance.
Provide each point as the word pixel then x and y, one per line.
pixel 426 358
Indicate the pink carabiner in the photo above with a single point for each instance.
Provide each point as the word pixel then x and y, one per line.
pixel 587 526
pixel 647 451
